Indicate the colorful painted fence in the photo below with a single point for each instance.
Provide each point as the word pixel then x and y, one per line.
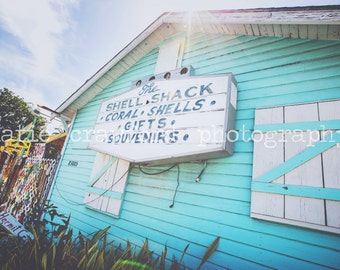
pixel 25 184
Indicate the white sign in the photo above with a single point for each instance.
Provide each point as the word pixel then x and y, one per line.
pixel 14 227
pixel 168 121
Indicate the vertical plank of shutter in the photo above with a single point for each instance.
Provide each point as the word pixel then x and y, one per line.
pixel 310 173
pixel 96 201
pixel 331 160
pixel 107 182
pixel 91 200
pixel 118 185
pixel 267 157
pixel 103 182
pixel 120 175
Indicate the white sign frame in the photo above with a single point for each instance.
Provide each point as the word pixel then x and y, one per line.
pixel 169 121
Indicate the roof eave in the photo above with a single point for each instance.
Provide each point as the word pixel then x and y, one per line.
pixel 319 15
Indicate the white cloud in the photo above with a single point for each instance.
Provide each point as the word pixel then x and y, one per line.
pixel 29 57
pixel 38 25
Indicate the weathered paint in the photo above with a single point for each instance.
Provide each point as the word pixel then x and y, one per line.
pixel 269 72
pixel 169 121
pixel 292 181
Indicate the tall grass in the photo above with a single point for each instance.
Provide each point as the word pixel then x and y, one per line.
pixel 55 247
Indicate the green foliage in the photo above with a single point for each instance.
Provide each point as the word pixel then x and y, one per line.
pixel 210 250
pixel 55 247
pixel 14 115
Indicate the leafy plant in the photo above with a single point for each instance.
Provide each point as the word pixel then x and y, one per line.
pixel 55 247
pixel 210 250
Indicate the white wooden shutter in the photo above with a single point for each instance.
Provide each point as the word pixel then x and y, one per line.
pixel 170 56
pixel 107 184
pixel 296 172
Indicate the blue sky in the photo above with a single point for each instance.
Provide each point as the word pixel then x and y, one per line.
pixel 48 49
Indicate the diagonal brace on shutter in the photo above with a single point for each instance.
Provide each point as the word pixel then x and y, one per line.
pixel 300 158
pixel 102 171
pixel 264 182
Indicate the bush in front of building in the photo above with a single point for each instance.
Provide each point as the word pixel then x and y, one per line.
pixel 55 247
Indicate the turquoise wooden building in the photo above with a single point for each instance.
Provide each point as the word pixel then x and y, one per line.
pixel 272 197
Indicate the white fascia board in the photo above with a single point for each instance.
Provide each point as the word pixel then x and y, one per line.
pixel 289 15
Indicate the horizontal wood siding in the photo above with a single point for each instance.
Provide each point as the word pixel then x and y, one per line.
pixel 269 72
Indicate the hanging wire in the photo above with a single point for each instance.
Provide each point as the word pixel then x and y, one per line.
pixel 156 173
pixel 163 171
pixel 198 178
pixel 143 171
pixel 173 199
pixel 100 195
